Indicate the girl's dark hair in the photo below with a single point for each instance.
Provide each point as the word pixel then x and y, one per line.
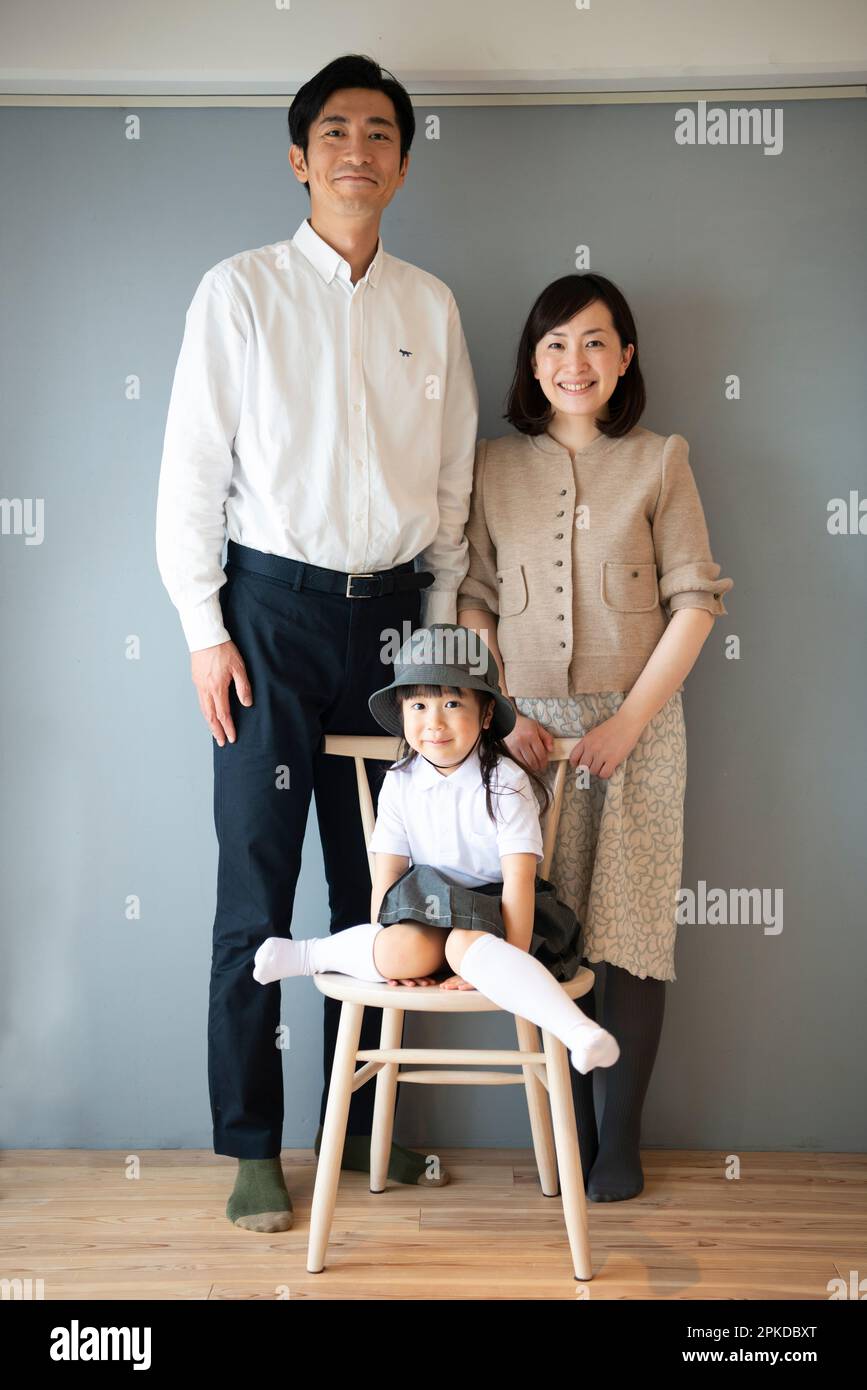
pixel 527 406
pixel 490 748
pixel 351 70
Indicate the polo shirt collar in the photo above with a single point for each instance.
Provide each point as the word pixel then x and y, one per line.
pixel 329 262
pixel 469 774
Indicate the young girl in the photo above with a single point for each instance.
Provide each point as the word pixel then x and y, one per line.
pixel 592 580
pixel 462 809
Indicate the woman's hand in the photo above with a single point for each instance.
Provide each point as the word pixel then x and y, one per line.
pixel 604 748
pixel 419 980
pixel 531 741
pixel 455 982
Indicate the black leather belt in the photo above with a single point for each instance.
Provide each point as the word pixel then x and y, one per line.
pixel 299 575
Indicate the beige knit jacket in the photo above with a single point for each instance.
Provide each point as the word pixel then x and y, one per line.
pixel 582 564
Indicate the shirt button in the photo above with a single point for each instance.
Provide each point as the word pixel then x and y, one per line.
pixel 716 595
pixel 560 617
pixel 558 562
pixel 562 644
pixel 635 574
pixel 562 492
pixel 558 589
pixel 559 536
pixel 561 513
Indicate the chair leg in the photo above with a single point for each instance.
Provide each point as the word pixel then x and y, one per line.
pixel 568 1154
pixel 384 1102
pixel 333 1134
pixel 540 1113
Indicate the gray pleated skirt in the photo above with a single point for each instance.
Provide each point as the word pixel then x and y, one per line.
pixel 424 895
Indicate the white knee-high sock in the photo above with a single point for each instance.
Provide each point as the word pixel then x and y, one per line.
pixel 349 952
pixel 520 983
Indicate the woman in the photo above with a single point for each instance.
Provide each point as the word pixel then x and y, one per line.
pixel 592 581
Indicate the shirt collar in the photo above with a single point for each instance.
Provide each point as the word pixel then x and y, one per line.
pixel 329 262
pixel 548 445
pixel 468 775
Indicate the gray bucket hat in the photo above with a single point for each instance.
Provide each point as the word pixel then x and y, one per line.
pixel 443 654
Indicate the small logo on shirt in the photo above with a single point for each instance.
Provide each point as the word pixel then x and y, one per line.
pixel 404 352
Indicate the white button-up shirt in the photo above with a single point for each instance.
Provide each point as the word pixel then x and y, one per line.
pixel 433 819
pixel 312 418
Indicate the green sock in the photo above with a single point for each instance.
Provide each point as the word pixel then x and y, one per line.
pixel 260 1200
pixel 404 1165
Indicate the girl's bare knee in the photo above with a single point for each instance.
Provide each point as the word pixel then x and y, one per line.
pixel 458 942
pixel 407 950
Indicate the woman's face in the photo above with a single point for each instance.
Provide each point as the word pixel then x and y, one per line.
pixel 579 363
pixel 444 727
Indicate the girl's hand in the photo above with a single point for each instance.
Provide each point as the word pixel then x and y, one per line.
pixel 455 982
pixel 420 980
pixel 531 741
pixel 604 748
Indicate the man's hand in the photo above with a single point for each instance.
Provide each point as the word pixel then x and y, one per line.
pixel 214 669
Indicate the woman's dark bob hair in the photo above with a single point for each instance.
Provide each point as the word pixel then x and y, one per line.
pixel 352 70
pixel 527 406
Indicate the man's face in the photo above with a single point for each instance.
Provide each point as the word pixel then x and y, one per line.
pixel 353 154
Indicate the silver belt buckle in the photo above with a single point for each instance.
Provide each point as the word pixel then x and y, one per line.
pixel 349 579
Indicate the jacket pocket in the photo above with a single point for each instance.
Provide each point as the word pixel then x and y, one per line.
pixel 630 588
pixel 512 590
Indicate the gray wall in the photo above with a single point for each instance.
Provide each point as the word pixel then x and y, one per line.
pixel 734 262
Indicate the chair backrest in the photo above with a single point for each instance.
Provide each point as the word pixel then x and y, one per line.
pixel 384 748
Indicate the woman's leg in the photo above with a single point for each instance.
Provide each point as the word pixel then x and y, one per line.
pixel 520 983
pixel 634 1007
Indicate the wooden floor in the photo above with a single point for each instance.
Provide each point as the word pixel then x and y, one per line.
pixel 783 1229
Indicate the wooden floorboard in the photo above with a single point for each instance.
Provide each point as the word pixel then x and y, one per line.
pixel 782 1230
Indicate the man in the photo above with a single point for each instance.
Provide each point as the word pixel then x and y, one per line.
pixel 324 414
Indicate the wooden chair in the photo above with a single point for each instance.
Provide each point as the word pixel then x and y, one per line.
pixel 545 1075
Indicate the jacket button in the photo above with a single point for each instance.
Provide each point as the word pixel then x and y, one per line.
pixel 559 536
pixel 499 581
pixel 716 595
pixel 562 492
pixel 562 644
pixel 558 589
pixel 560 617
pixel 561 513
pixel 635 574
pixel 558 562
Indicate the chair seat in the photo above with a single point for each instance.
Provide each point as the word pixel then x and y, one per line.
pixel 426 998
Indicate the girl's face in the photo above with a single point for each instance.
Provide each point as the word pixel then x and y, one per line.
pixel 444 727
pixel 579 363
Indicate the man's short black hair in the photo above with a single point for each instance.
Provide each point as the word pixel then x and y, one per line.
pixel 351 70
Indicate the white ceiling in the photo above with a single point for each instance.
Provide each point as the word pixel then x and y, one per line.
pixel 235 46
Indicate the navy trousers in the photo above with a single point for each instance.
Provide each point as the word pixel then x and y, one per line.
pixel 312 659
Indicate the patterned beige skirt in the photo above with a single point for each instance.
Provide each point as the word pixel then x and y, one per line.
pixel 618 857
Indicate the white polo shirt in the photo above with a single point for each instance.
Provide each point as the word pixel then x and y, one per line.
pixel 443 821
